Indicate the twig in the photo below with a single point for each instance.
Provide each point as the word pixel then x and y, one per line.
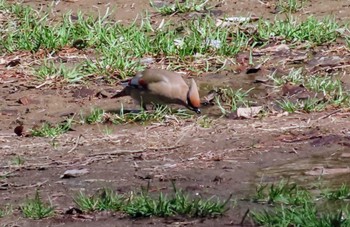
pixel 121 152
pixel 301 139
pixel 329 114
pixel 39 184
pixel 43 84
pixel 244 217
pixel 75 145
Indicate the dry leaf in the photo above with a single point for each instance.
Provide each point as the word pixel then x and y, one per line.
pixel 249 112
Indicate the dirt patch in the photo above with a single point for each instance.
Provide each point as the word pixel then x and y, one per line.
pixel 128 10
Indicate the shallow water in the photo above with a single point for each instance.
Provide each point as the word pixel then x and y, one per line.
pixel 332 170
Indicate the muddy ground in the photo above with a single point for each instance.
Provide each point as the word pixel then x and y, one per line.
pixel 230 157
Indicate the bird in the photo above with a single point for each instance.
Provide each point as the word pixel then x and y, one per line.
pixel 159 86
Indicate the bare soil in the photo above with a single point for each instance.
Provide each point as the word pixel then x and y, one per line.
pixel 229 157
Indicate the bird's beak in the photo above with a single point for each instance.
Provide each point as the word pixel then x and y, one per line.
pixel 197 110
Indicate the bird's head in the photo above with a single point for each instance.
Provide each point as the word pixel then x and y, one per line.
pixel 193 100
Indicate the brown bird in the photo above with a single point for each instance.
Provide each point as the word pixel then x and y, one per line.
pixel 157 86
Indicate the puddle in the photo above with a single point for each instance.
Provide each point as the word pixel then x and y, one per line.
pixel 246 82
pixel 332 170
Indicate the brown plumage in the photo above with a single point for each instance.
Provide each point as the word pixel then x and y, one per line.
pixel 159 86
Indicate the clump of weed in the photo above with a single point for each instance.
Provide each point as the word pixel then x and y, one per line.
pixel 205 121
pixel 283 192
pixel 229 100
pixel 106 199
pixel 51 70
pixel 290 6
pixel 291 205
pixel 160 113
pixel 342 193
pixel 18 160
pixel 96 115
pixel 323 91
pixel 144 204
pixel 6 210
pixel 182 7
pixel 35 208
pixel 311 30
pixel 48 130
pixel 304 215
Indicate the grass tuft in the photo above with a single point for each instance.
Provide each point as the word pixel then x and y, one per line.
pixel 96 116
pixel 229 100
pixel 324 91
pixel 48 130
pixel 294 206
pixel 283 193
pixel 145 205
pixel 6 210
pixel 160 113
pixel 106 199
pixel 342 193
pixel 36 209
pixel 182 7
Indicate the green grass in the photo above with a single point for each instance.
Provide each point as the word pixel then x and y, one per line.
pixel 308 105
pixel 5 210
pixel 48 130
pixel 205 121
pixel 311 31
pixel 229 100
pixel 304 215
pixel 35 208
pixel 291 205
pixel 144 204
pixel 176 42
pixel 290 6
pixel 18 161
pixel 324 90
pixel 104 200
pixel 282 193
pixel 342 193
pixel 96 115
pixel 160 113
pixel 51 70
pixel 182 7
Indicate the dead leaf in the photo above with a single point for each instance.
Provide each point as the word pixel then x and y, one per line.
pixel 13 63
pixel 254 69
pixel 297 91
pixel 326 61
pixel 24 101
pixel 19 130
pixel 274 49
pixel 102 94
pixel 73 211
pixel 248 112
pixel 74 173
pixel 83 93
pixel 229 21
pixel 208 99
